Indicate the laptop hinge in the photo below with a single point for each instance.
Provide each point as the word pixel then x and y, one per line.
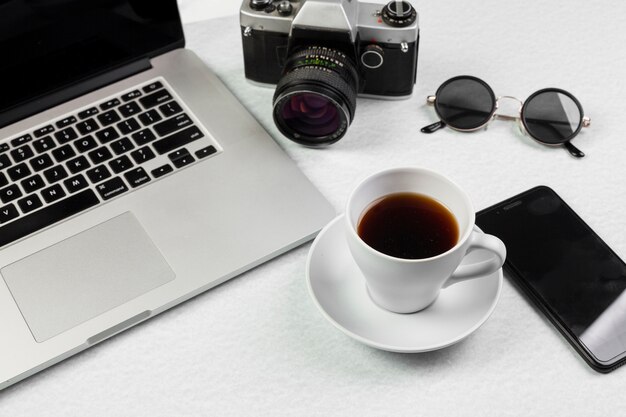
pixel 76 90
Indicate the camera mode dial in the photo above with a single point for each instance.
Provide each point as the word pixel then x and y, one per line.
pixel 259 4
pixel 399 14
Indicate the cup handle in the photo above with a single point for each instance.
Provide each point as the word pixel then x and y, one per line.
pixel 480 241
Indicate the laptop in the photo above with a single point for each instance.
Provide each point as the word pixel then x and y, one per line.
pixel 131 179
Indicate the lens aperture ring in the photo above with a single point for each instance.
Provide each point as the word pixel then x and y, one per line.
pixel 322 57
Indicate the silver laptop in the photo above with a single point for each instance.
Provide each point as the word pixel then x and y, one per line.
pixel 130 178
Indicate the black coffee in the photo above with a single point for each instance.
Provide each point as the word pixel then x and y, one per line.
pixel 409 226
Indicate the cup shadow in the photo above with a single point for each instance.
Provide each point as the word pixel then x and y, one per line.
pixel 441 357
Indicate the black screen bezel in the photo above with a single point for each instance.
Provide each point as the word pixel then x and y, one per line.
pixel 105 73
pixel 536 298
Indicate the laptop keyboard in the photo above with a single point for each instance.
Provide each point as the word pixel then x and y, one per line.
pixel 94 155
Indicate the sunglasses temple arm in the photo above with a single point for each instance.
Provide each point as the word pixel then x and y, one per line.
pixel 574 151
pixel 432 128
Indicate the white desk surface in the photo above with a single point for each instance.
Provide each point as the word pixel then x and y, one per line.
pixel 258 346
pixel 197 10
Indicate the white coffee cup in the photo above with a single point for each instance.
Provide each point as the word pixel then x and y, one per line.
pixel 410 285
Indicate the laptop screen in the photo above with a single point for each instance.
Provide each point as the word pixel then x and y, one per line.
pixel 47 46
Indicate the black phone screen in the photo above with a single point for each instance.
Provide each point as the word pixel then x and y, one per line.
pixel 566 268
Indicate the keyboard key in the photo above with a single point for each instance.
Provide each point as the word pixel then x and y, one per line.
pixel 129 109
pixel 122 146
pixel 21 140
pixel 63 153
pixel 100 155
pixel 43 131
pixel 181 157
pixel 66 122
pixel 76 183
pixel 4 161
pixel 107 135
pixel 152 87
pixel 78 164
pixel 143 136
pixel 47 216
pixel 98 174
pixel 137 177
pixel 204 152
pixel 131 95
pixel 21 154
pixel 19 171
pixel 55 174
pixel 66 135
pixel 8 213
pixel 178 154
pixel 177 140
pixel 53 193
pixel 184 161
pixel 128 126
pixel 149 117
pixel 172 125
pixel 142 155
pixel 111 188
pixel 88 113
pixel 162 170
pixel 155 99
pixel 170 109
pixel 41 162
pixel 3 180
pixel 109 104
pixel 30 203
pixel 4 147
pixel 44 144
pixel 88 126
pixel 109 117
pixel 10 193
pixel 32 184
pixel 85 144
pixel 120 164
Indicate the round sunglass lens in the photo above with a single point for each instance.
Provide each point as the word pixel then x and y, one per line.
pixel 465 103
pixel 552 116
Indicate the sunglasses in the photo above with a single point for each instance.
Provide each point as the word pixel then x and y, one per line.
pixel 550 116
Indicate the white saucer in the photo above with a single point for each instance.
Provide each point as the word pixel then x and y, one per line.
pixel 339 291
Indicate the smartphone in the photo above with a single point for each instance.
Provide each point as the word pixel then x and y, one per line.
pixel 566 270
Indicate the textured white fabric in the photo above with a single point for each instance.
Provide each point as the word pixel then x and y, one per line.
pixel 258 346
pixel 195 10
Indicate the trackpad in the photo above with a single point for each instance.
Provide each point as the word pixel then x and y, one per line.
pixel 86 275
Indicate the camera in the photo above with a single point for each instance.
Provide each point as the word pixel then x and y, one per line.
pixel 321 54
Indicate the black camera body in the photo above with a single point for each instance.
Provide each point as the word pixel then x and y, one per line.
pixel 335 49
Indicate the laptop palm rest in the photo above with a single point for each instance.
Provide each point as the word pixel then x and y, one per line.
pixel 86 275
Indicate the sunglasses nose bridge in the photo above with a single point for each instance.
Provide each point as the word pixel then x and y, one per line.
pixel 501 116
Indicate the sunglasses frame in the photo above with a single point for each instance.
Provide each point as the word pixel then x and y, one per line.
pixel 584 120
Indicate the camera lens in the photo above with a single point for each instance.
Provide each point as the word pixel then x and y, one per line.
pixel 311 114
pixel 315 99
